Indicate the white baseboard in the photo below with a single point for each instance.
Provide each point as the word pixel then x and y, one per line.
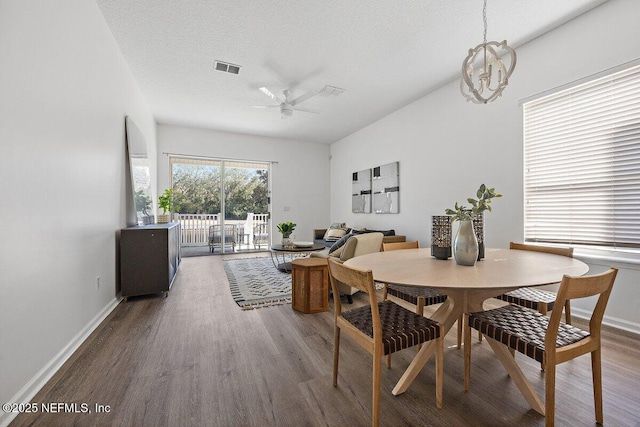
pixel 36 383
pixel 613 322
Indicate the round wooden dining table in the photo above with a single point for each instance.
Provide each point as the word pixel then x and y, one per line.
pixel 467 287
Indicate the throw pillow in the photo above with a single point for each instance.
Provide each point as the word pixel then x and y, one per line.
pixel 339 243
pixel 334 234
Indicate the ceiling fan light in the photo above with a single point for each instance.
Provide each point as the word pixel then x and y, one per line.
pixel 285 111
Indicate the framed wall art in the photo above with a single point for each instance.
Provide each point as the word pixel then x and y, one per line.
pixel 361 191
pixel 386 189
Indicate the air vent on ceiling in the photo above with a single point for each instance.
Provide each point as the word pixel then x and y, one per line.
pixel 330 90
pixel 226 67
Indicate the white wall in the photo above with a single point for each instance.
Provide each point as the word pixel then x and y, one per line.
pixel 65 92
pixel 447 147
pixel 300 178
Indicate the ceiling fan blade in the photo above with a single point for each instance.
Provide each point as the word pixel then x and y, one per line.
pixel 271 94
pixel 303 98
pixel 306 110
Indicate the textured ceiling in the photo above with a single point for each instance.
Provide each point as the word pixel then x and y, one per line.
pixel 384 53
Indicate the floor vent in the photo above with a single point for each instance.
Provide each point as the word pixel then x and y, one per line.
pixel 227 67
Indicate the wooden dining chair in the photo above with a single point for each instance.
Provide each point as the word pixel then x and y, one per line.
pixel 547 339
pixel 414 298
pixel 538 299
pixel 381 328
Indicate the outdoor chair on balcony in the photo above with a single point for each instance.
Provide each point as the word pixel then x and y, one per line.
pixel 217 239
pixel 260 235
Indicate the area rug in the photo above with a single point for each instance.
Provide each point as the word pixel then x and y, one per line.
pixel 255 282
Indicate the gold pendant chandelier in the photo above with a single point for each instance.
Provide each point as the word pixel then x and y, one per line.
pixel 484 74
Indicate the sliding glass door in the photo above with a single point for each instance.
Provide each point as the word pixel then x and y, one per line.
pixel 222 204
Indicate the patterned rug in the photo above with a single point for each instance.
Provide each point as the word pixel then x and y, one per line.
pixel 255 283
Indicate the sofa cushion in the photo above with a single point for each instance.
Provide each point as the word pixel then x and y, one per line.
pixel 384 232
pixel 323 242
pixel 326 254
pixel 320 254
pixel 334 234
pixel 339 243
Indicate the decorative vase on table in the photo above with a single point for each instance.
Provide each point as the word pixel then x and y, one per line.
pixel 287 242
pixel 441 236
pixel 465 244
pixel 478 227
pixel 466 249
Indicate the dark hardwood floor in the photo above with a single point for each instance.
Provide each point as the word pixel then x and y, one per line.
pixel 196 359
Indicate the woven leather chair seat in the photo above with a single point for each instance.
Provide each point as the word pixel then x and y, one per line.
pixel 412 293
pixel 400 327
pixel 530 298
pixel 522 329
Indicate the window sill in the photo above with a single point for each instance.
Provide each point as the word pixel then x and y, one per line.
pixel 627 259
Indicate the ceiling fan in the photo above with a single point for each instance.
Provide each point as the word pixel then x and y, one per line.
pixel 287 105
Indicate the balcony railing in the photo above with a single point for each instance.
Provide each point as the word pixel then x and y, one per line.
pixel 195 227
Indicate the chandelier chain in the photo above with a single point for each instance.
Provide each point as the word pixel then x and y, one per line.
pixel 484 18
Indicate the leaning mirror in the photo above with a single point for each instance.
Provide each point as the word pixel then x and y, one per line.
pixel 141 210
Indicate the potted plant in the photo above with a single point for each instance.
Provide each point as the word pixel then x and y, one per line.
pixel 286 228
pixel 165 202
pixel 465 244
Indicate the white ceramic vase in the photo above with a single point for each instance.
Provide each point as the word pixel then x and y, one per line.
pixel 465 245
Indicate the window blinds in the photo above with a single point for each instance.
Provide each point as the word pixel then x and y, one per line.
pixel 582 164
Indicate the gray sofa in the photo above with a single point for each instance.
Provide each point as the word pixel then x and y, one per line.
pixel 389 236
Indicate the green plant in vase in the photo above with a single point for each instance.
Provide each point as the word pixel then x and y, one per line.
pixel 165 202
pixel 465 244
pixel 479 205
pixel 286 228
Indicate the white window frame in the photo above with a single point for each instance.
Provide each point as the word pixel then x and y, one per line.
pixel 581 172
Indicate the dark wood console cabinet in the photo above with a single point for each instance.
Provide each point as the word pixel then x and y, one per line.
pixel 149 258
